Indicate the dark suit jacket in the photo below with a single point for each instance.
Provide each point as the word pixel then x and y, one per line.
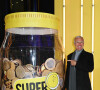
pixel 85 64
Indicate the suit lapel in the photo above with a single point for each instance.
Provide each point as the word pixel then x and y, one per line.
pixel 73 56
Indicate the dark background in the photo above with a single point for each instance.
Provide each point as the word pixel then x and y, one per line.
pixel 11 6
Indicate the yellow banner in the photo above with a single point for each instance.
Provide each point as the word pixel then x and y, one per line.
pixel 30 84
pixel 39 83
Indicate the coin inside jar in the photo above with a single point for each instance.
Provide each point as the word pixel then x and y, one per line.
pixel 20 72
pixel 10 74
pixel 50 63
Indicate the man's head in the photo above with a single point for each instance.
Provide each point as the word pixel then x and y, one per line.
pixel 79 42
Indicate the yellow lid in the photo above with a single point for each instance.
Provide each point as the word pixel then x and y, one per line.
pixel 31 19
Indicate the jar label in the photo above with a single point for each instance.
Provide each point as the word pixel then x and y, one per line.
pixel 41 83
pixel 30 84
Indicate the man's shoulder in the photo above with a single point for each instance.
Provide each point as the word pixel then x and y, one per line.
pixel 87 52
pixel 70 54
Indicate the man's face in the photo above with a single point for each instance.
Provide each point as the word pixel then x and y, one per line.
pixel 79 43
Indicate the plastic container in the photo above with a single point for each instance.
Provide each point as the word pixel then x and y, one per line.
pixel 31 53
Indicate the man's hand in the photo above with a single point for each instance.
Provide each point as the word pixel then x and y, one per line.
pixel 73 62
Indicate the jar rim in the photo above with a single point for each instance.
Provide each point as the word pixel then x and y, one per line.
pixel 32 19
pixel 32 31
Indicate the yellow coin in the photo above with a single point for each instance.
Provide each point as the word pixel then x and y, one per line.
pixel 52 80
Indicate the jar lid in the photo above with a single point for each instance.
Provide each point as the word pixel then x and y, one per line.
pixel 31 19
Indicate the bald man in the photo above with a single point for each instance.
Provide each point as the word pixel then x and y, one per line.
pixel 79 64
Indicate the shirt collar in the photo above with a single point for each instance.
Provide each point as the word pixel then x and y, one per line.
pixel 78 51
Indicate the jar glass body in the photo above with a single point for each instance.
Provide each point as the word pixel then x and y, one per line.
pixel 29 53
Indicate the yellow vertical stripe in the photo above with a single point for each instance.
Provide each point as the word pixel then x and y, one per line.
pixel 87 24
pixel 97 45
pixel 72 23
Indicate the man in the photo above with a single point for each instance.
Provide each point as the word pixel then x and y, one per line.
pixel 79 64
